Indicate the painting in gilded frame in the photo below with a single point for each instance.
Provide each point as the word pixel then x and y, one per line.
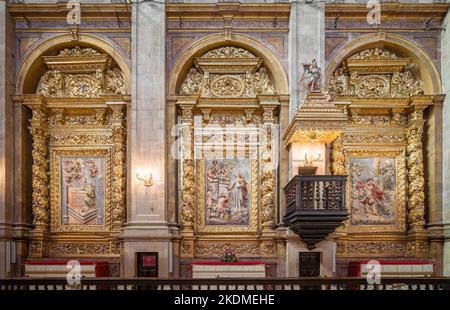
pixel 227 191
pixel 82 190
pixel 373 198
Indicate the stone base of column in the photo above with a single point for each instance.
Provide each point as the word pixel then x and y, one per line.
pixel 146 237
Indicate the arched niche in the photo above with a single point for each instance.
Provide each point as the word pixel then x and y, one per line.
pixel 33 67
pixel 185 62
pixel 424 65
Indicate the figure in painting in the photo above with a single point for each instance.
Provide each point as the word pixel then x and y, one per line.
pixel 372 191
pixel 312 77
pixel 227 198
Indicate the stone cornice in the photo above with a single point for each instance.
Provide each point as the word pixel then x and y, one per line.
pixel 58 11
pixel 201 11
pixel 389 11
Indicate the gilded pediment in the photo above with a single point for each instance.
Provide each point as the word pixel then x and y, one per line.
pixel 376 73
pixel 228 72
pixel 81 72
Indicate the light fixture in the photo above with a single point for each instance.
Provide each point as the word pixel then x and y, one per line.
pixel 146 178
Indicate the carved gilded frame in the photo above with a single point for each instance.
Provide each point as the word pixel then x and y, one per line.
pixel 56 191
pixel 401 188
pixel 220 229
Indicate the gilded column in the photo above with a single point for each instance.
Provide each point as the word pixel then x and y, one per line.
pixel 40 182
pixel 188 191
pixel 269 163
pixel 118 164
pixel 338 157
pixel 417 242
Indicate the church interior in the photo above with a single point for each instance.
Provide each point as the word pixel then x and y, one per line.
pixel 231 139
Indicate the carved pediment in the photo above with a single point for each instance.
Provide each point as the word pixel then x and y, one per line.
pixel 375 73
pixel 80 72
pixel 228 72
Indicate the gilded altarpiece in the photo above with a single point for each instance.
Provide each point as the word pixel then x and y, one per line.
pixel 79 146
pixel 380 149
pixel 227 124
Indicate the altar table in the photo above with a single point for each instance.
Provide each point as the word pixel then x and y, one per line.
pixel 244 269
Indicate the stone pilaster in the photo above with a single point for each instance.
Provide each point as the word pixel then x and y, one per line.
pixel 6 140
pixel 306 42
pixel 445 73
pixel 147 229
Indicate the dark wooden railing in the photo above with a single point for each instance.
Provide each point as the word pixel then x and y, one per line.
pixel 423 283
pixel 315 206
pixel 315 192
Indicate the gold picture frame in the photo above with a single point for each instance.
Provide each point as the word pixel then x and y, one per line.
pixel 401 187
pixel 203 227
pixel 56 155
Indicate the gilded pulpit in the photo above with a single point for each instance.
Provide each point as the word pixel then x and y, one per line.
pixel 79 147
pixel 227 153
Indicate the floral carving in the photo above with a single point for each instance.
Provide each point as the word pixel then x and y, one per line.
pixel 227 86
pixel 228 52
pixel 263 84
pixel 78 51
pixel 375 53
pixel 192 84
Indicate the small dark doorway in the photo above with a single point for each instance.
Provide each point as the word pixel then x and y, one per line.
pixel 309 266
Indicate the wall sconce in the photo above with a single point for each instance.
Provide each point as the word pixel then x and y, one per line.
pixel 146 178
pixel 309 160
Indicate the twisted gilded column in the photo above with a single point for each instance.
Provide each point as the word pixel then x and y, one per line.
pixel 188 191
pixel 40 197
pixel 417 240
pixel 414 152
pixel 118 164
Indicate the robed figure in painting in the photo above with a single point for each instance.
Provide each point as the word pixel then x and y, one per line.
pixel 239 188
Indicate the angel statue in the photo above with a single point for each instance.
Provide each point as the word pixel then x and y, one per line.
pixel 311 77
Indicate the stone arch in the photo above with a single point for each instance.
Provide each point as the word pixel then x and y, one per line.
pixel 428 71
pixel 185 62
pixel 32 67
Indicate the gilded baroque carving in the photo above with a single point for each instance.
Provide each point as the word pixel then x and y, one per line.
pixel 338 166
pixel 40 196
pixel 375 53
pixel 76 51
pixel 228 52
pixel 263 84
pixel 416 201
pixel 118 166
pixel 192 84
pixel 391 78
pixel 370 248
pixel 188 192
pixel 216 248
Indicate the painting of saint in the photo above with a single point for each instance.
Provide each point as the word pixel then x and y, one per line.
pixel 373 194
pixel 227 192
pixel 82 191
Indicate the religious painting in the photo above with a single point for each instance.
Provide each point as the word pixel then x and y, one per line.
pixel 82 190
pixel 227 186
pixel 373 190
